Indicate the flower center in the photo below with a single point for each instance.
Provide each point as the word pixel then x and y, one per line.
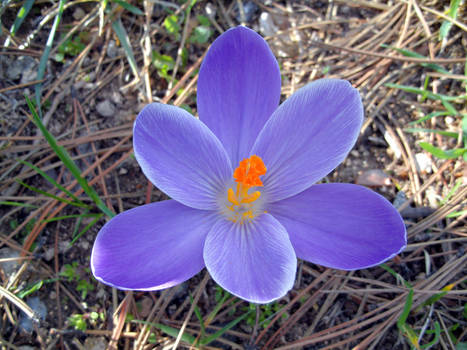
pixel 241 203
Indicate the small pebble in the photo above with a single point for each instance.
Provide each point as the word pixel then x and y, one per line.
pixel 393 145
pixel 249 9
pixel 146 305
pixel 112 49
pixel 266 24
pixel 101 293
pixel 116 97
pixel 210 10
pixel 83 244
pixel 25 67
pixel 9 267
pixel 40 310
pixel 63 246
pixel 79 13
pixel 400 199
pixel 49 254
pixel 106 108
pixel 423 163
pixel 433 197
pixel 374 177
pixel 97 343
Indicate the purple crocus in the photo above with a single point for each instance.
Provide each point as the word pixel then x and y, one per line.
pixel 242 182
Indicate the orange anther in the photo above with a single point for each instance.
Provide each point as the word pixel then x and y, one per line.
pixel 249 171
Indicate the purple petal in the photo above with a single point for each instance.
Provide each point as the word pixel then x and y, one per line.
pixel 254 260
pixel 308 136
pixel 180 155
pixel 342 226
pixel 151 247
pixel 239 88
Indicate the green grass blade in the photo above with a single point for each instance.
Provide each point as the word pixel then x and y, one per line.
pixel 435 339
pixel 84 230
pixel 464 125
pixel 409 53
pixel 454 135
pixel 411 335
pixel 451 192
pixel 30 289
pixel 129 7
pixel 429 94
pixel 425 87
pixel 434 298
pixel 221 331
pixel 47 194
pixel 68 162
pixel 456 214
pixel 21 16
pixel 446 26
pixel 192 3
pixel 173 332
pixel 64 217
pixel 396 275
pixel 217 308
pixel 406 311
pixel 431 115
pixel 464 133
pixel 198 316
pixel 18 204
pixel 438 152
pixel 465 73
pixel 449 107
pixel 46 53
pixel 123 37
pixel 77 226
pixel 49 179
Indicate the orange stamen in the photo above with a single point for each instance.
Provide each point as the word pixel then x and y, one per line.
pixel 249 171
pixel 247 176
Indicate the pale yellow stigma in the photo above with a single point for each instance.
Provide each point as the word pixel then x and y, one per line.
pixel 240 201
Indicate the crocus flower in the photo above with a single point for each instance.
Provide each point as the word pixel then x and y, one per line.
pixel 242 181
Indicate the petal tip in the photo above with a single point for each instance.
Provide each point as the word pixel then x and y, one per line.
pixel 342 226
pixel 148 247
pixel 253 261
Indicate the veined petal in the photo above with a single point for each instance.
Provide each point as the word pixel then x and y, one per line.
pixel 342 226
pixel 239 88
pixel 254 260
pixel 151 247
pixel 308 136
pixel 180 155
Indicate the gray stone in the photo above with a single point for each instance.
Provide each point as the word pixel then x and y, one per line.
pixel 78 13
pixel 97 343
pixel 13 71
pixel 112 49
pixel 393 145
pixel 266 24
pixel 106 108
pixel 374 177
pixel 423 163
pixel 63 246
pixel 40 310
pixel 11 266
pixel 24 67
pixel 29 70
pixel 49 254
